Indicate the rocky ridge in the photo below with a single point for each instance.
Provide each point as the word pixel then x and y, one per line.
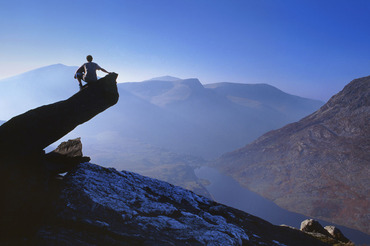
pixel 124 208
pixel 318 166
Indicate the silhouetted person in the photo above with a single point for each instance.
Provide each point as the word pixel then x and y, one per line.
pixel 87 72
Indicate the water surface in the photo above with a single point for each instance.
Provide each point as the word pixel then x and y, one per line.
pixel 227 191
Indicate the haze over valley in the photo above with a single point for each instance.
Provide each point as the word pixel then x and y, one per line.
pixel 163 125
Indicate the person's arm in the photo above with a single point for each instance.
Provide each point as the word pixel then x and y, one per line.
pixel 100 68
pixel 105 71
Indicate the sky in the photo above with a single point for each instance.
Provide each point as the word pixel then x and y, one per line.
pixel 311 48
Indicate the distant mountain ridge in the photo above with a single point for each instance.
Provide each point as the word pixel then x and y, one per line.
pixel 318 166
pixel 254 95
pixel 217 113
pixel 165 78
pixel 177 122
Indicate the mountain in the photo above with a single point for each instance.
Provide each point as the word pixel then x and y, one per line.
pixel 163 127
pixel 92 205
pixel 36 88
pixel 318 166
pixel 215 118
pixel 256 95
pixel 165 78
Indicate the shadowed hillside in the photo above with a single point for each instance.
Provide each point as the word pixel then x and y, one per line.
pixel 318 166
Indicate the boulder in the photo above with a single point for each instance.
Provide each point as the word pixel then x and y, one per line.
pixel 314 226
pixel 65 157
pixel 336 234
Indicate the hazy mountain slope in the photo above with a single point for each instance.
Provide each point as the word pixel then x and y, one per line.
pixel 36 88
pixel 256 95
pixel 165 78
pixel 221 122
pixel 318 166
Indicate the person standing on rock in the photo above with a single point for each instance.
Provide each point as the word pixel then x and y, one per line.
pixel 87 72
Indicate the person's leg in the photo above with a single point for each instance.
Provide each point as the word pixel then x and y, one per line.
pixel 79 79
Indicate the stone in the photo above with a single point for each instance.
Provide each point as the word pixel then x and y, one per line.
pixel 336 234
pixel 65 157
pixel 311 225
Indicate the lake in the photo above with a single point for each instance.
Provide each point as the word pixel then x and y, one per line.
pixel 227 191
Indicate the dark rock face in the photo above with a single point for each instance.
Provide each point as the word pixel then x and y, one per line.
pixel 107 207
pixel 27 175
pixel 318 166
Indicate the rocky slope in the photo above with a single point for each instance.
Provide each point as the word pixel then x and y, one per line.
pixel 101 206
pixel 318 166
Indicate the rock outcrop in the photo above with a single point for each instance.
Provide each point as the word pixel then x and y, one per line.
pixel 336 234
pixel 318 166
pixel 65 157
pixel 311 225
pixel 46 124
pixel 27 175
pixel 328 234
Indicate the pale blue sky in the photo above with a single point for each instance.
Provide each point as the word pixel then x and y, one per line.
pixel 306 47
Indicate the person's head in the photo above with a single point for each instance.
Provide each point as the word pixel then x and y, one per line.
pixel 89 58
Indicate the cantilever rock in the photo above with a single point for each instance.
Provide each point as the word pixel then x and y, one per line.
pixel 27 175
pixel 29 133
